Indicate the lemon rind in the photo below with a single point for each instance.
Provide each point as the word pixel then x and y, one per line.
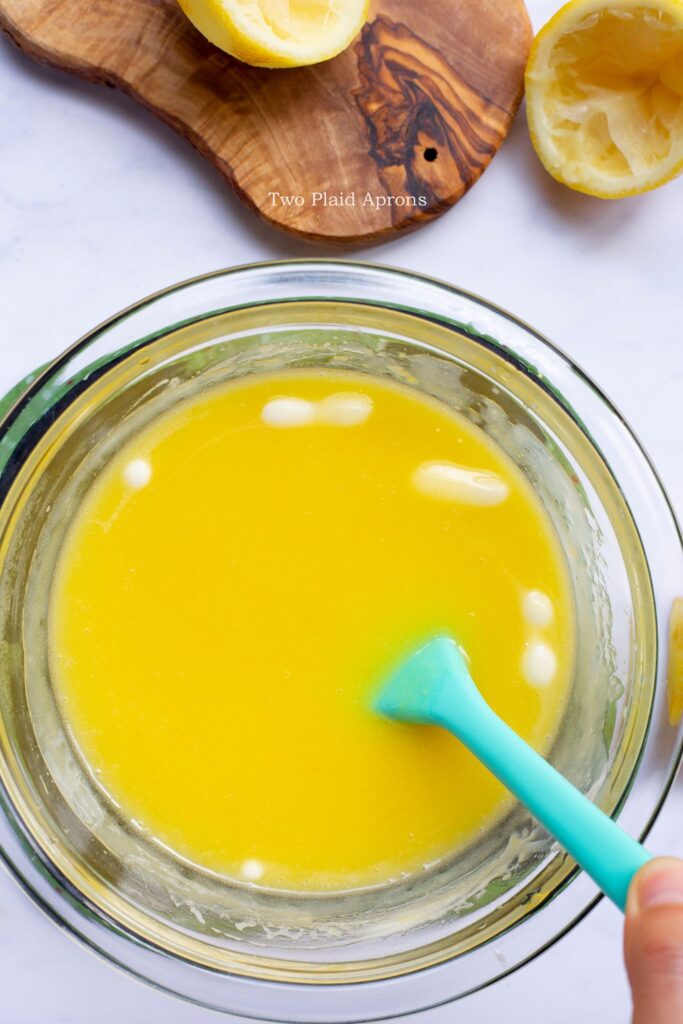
pixel 585 180
pixel 224 24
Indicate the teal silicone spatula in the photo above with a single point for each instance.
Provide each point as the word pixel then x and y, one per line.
pixel 434 686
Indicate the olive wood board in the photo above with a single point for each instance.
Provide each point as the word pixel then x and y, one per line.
pixel 379 140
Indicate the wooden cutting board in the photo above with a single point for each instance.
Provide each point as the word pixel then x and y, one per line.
pixel 383 138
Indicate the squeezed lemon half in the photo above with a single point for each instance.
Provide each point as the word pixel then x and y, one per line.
pixel 278 33
pixel 604 88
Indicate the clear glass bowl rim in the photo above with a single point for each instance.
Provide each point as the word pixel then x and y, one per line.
pixel 365 284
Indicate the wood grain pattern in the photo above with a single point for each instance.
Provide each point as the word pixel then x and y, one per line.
pixel 381 139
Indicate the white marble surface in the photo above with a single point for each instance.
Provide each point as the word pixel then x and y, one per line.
pixel 100 205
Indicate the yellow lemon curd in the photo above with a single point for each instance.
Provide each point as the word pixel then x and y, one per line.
pixel 237 583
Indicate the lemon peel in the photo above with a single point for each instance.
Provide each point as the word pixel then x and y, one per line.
pixel 278 33
pixel 604 87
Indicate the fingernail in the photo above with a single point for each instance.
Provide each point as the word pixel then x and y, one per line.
pixel 662 883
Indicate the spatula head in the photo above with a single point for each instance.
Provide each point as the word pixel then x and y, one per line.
pixel 426 685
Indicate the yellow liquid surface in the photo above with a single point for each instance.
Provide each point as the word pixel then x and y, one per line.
pixel 241 578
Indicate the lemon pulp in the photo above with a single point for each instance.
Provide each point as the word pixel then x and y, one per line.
pixel 605 95
pixel 243 575
pixel 278 33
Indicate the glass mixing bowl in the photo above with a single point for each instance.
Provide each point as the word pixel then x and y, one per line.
pixel 377 952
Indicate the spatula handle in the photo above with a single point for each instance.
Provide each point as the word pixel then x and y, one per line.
pixel 604 851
